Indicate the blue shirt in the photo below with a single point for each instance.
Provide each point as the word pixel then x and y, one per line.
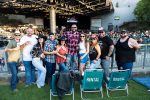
pixel 49 47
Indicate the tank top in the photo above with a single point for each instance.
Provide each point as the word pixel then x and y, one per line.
pixel 61 52
pixel 93 54
pixel 124 53
pixel 82 48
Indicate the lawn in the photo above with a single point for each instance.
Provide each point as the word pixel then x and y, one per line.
pixel 136 92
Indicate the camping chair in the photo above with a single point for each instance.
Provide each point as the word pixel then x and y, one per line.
pixel 53 91
pixel 92 81
pixel 118 81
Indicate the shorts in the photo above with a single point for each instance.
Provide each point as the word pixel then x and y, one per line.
pixel 84 60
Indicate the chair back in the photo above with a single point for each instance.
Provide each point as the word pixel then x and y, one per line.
pixel 92 79
pixel 118 79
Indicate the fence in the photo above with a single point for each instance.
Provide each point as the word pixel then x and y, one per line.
pixel 142 59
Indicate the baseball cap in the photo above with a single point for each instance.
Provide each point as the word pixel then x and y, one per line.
pixel 100 30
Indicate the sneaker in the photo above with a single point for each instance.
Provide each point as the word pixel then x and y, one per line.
pixel 33 83
pixel 38 86
pixel 15 90
pixel 27 86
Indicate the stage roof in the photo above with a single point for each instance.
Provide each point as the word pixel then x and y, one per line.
pixel 41 8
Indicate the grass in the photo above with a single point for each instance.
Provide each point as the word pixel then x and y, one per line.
pixel 136 92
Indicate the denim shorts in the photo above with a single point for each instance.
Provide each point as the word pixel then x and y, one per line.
pixel 84 60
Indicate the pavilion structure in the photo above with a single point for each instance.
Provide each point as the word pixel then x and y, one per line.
pixel 49 8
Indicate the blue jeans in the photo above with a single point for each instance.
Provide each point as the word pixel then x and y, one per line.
pixel 124 66
pixel 29 72
pixel 50 70
pixel 63 67
pixel 72 61
pixel 14 71
pixel 38 63
pixel 105 66
pixel 94 65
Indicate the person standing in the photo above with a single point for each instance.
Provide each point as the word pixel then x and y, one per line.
pixel 50 57
pixel 95 52
pixel 125 51
pixel 83 52
pixel 37 61
pixel 72 42
pixel 61 57
pixel 29 40
pixel 13 51
pixel 107 48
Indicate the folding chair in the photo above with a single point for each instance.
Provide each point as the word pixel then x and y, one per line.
pixel 92 81
pixel 118 81
pixel 53 91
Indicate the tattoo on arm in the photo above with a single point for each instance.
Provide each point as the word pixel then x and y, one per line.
pixel 111 49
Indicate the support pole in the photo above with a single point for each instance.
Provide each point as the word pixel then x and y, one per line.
pixel 52 19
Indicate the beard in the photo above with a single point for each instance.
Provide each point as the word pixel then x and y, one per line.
pixel 123 36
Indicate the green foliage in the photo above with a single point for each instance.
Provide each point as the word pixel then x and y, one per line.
pixel 142 10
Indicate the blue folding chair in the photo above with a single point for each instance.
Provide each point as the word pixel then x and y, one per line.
pixel 92 81
pixel 53 91
pixel 118 81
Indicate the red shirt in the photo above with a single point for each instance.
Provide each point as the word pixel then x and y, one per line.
pixel 62 51
pixel 72 41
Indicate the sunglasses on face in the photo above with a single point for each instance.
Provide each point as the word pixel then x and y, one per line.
pixel 73 27
pixel 93 38
pixel 82 36
pixel 100 31
pixel 122 33
pixel 17 35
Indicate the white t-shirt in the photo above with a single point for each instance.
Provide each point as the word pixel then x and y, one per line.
pixel 82 48
pixel 27 49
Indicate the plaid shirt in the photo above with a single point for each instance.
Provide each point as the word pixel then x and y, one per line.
pixel 49 47
pixel 72 42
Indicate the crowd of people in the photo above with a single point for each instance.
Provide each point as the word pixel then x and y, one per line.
pixel 70 50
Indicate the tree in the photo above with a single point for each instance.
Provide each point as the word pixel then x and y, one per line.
pixel 142 10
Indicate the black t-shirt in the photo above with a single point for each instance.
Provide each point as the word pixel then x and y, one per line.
pixel 105 43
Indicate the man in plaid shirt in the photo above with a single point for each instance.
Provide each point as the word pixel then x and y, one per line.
pixel 72 42
pixel 50 57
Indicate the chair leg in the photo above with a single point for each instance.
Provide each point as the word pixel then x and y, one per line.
pixel 73 93
pixel 107 91
pixel 50 95
pixel 101 92
pixel 127 89
pixel 81 95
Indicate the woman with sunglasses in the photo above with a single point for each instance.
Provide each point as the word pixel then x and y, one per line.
pixel 83 52
pixel 95 52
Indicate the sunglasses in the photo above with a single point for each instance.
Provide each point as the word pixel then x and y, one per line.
pixel 73 27
pixel 17 35
pixel 100 31
pixel 93 39
pixel 82 36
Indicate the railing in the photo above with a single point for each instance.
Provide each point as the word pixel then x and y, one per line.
pixel 142 59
